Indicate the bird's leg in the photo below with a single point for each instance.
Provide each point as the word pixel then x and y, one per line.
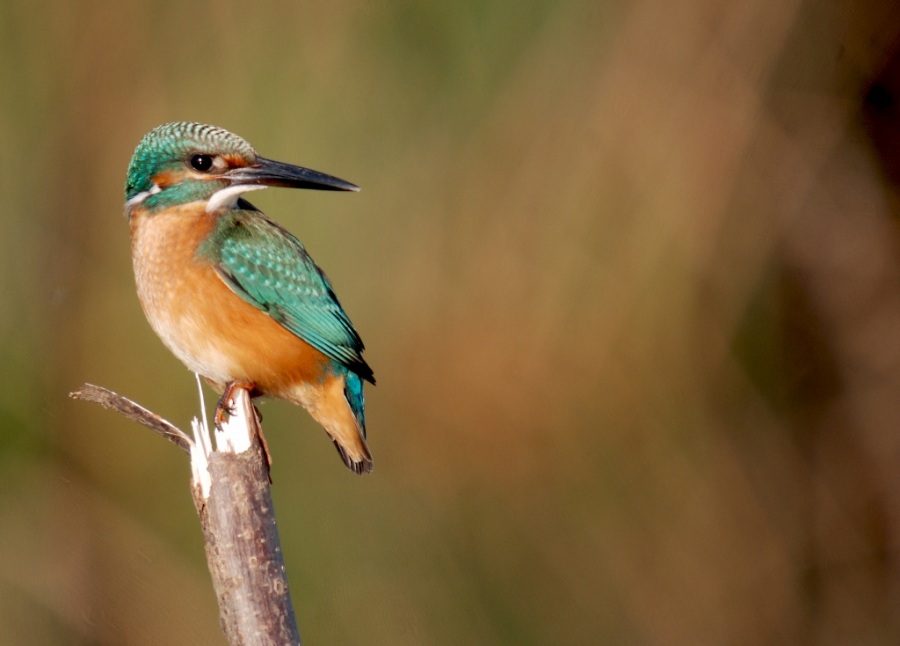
pixel 224 410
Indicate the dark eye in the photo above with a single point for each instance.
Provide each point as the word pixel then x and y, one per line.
pixel 201 162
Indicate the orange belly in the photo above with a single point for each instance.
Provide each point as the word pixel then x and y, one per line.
pixel 201 320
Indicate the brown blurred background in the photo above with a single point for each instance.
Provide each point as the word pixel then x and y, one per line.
pixel 628 273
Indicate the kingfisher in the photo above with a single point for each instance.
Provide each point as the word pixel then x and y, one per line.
pixel 234 295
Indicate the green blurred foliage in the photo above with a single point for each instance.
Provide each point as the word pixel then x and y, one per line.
pixel 628 275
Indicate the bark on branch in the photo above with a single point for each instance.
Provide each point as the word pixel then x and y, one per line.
pixel 232 495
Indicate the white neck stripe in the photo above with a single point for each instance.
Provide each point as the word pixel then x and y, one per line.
pixel 143 195
pixel 227 197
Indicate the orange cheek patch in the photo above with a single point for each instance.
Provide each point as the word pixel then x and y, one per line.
pixel 168 178
pixel 235 161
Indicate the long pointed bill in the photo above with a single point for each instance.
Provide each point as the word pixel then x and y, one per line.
pixel 267 172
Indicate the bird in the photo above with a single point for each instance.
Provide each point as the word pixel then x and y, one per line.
pixel 231 293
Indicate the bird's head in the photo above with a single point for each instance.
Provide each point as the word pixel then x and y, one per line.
pixel 184 162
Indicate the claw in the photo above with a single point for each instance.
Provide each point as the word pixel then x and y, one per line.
pixel 224 410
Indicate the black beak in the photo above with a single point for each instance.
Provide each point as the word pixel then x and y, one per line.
pixel 268 172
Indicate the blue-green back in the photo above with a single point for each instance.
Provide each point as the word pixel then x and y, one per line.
pixel 269 268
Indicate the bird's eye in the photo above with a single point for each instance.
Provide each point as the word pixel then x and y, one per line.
pixel 201 162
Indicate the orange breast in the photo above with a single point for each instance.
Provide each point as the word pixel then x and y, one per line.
pixel 201 320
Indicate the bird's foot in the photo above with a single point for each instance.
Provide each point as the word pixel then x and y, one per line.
pixel 224 410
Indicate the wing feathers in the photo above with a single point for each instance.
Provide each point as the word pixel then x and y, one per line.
pixel 269 268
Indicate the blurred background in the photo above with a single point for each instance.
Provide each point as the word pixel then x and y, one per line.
pixel 628 273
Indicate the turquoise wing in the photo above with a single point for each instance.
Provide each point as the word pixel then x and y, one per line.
pixel 270 269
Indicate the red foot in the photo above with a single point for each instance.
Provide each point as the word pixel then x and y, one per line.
pixel 224 411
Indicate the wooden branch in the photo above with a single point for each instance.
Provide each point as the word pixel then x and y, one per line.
pixel 234 502
pixel 131 410
pixel 243 550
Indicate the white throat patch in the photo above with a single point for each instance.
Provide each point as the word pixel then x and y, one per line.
pixel 143 195
pixel 227 197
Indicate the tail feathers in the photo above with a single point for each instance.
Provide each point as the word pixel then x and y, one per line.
pixel 338 405
pixel 353 394
pixel 360 467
